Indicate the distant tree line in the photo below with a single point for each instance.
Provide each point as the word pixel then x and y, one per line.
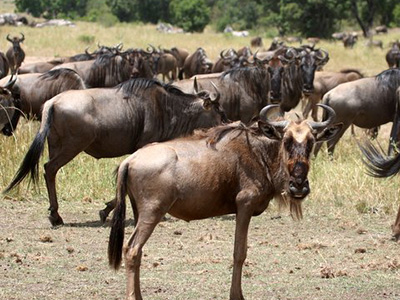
pixel 303 17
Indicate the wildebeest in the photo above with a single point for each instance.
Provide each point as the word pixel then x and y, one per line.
pixel 229 59
pixel 39 67
pixel 196 63
pixel 8 105
pixel 324 82
pixel 374 43
pixel 393 55
pixel 15 54
pixel 4 66
pixel 350 40
pixel 166 65
pixel 366 103
pixel 381 29
pixel 107 70
pixel 244 91
pixel 33 90
pixel 230 169
pixel 179 53
pixel 110 122
pixel 338 36
pixel 379 165
pixel 256 42
pixel 142 64
pixel 298 75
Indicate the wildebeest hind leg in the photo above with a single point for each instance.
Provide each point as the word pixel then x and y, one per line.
pixel 58 160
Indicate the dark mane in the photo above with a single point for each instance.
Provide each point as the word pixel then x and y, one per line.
pixel 390 79
pixel 350 70
pixel 238 74
pixel 136 85
pixel 55 74
pixel 233 130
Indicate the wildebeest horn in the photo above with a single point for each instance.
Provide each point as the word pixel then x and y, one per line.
pixel 218 94
pixel 195 86
pixel 264 117
pixel 322 56
pixel 8 38
pixel 329 119
pixel 11 82
pixel 23 37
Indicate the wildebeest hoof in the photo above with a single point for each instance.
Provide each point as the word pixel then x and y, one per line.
pixel 103 216
pixel 56 221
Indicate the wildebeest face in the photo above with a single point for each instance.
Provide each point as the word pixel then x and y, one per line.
pixel 275 70
pixel 308 67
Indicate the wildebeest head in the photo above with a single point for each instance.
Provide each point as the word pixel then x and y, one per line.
pixel 15 41
pixel 298 139
pixel 310 60
pixel 7 107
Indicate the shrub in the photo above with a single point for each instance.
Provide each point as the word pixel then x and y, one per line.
pixel 191 15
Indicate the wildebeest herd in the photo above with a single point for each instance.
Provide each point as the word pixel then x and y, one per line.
pixel 211 141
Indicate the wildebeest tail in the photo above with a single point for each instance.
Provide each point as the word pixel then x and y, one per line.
pixel 116 239
pixel 30 164
pixel 377 163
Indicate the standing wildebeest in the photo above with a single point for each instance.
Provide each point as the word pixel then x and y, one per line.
pixel 381 29
pixel 33 90
pixel 106 70
pixel 256 42
pixel 380 165
pixel 230 169
pixel 393 55
pixel 324 82
pixel 15 54
pixel 110 122
pixel 165 64
pixel 366 103
pixel 229 59
pixel 4 66
pixel 244 91
pixel 298 75
pixel 179 53
pixel 196 63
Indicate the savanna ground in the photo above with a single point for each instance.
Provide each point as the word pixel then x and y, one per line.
pixel 340 250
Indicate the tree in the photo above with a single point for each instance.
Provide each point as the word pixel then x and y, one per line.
pixel 125 10
pixel 191 15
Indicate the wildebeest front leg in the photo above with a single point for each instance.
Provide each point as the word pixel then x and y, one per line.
pixel 240 251
pixel 396 227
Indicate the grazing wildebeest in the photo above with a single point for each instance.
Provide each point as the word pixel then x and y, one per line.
pixel 110 122
pixel 107 70
pixel 8 105
pixel 350 40
pixel 230 169
pixel 379 165
pixel 381 29
pixel 298 75
pixel 393 55
pixel 366 103
pixel 4 66
pixel 256 42
pixel 15 54
pixel 34 89
pixel 324 82
pixel 196 63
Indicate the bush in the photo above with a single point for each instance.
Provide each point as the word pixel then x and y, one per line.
pixel 191 15
pixel 396 15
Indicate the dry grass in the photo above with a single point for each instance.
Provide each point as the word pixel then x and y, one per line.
pixel 341 250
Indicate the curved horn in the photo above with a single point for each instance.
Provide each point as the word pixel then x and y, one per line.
pixel 264 117
pixel 11 82
pixel 8 38
pixel 218 94
pixel 331 115
pixel 23 37
pixel 322 55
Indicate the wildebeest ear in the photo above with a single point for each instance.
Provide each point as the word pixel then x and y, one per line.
pixel 329 132
pixel 270 131
pixel 207 104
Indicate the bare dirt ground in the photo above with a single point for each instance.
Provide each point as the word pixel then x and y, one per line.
pixel 324 256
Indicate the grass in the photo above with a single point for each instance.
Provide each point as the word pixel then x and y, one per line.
pixel 347 211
